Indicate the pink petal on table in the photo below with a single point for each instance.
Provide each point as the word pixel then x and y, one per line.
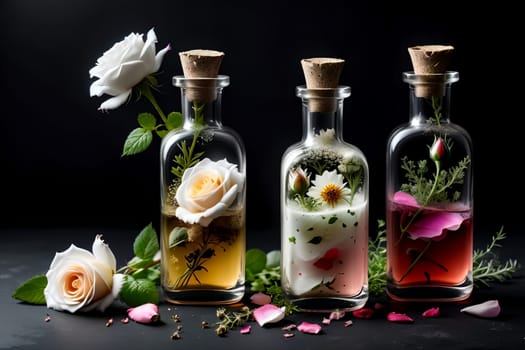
pixel 365 312
pixel 400 318
pixel 260 298
pixel 488 309
pixel 307 327
pixel 268 313
pixel 379 306
pixel 348 323
pixel 246 329
pixel 326 320
pixel 432 312
pixel 288 335
pixel 336 315
pixel 289 327
pixel 145 313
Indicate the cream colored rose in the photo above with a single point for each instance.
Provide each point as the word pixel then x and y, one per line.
pixel 79 280
pixel 207 190
pixel 123 66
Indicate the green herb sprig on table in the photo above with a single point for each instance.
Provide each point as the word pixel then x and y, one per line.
pixel 488 268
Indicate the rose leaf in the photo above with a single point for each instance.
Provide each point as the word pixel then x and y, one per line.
pixel 174 120
pixel 137 141
pixel 147 121
pixel 146 244
pixel 136 292
pixel 32 290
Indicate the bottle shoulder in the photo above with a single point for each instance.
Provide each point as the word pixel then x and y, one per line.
pixel 409 133
pixel 337 150
pixel 210 142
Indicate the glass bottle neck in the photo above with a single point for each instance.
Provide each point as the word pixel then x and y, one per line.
pixel 201 100
pixel 430 97
pixel 322 111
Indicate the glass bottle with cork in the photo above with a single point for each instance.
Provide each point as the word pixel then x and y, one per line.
pixel 203 192
pixel 429 189
pixel 324 201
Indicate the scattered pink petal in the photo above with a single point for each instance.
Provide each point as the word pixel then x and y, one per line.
pixel 145 313
pixel 379 306
pixel 326 320
pixel 246 329
pixel 365 312
pixel 488 309
pixel 288 335
pixel 268 313
pixel 307 327
pixel 397 317
pixel 261 298
pixel 336 315
pixel 289 327
pixel 348 323
pixel 432 312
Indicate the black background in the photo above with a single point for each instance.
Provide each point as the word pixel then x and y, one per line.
pixel 60 157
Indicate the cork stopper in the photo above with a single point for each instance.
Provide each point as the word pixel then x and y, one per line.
pixel 201 67
pixel 430 62
pixel 322 77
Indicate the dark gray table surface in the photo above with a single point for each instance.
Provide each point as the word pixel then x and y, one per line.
pixel 27 252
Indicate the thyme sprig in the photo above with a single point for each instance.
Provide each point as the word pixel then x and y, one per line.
pixel 377 261
pixel 230 319
pixel 188 156
pixel 488 268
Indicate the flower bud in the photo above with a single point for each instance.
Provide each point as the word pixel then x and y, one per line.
pixel 438 149
pixel 145 313
pixel 298 180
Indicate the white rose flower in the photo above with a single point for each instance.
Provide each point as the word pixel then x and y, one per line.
pixel 79 280
pixel 123 66
pixel 207 190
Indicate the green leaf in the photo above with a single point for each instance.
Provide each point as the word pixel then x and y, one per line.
pixel 177 236
pixel 136 292
pixel 152 274
pixel 316 240
pixel 32 290
pixel 161 133
pixel 138 141
pixel 146 244
pixel 147 121
pixel 174 120
pixel 139 263
pixel 255 260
